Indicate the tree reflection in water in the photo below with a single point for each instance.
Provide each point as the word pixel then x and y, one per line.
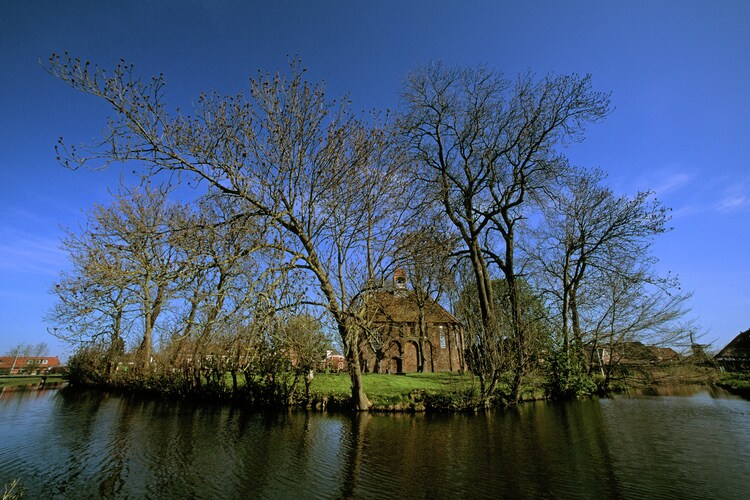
pixel 93 444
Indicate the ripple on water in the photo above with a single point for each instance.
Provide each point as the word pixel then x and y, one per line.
pixel 92 445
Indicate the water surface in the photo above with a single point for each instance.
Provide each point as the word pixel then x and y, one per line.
pixel 91 444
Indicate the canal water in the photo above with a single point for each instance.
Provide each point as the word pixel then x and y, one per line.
pixel 91 444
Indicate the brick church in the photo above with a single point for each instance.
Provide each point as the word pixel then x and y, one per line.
pixel 408 332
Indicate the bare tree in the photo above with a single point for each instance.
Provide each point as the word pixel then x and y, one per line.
pixel 632 309
pixel 425 254
pixel 125 269
pixel 24 350
pixel 302 338
pixel 593 230
pixel 92 305
pixel 288 155
pixel 227 273
pixel 487 148
pixel 40 349
pixel 593 250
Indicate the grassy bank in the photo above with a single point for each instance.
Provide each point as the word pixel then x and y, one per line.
pixel 28 380
pixel 414 391
pixel 452 391
pixel 736 383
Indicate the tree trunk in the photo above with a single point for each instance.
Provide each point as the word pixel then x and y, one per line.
pixel 351 352
pixel 379 356
pixel 578 354
pixel 422 327
pixel 484 287
pixel 147 342
pixel 519 343
pixel 565 310
pixel 359 398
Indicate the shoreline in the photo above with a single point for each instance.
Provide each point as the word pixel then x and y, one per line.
pixel 10 383
pixel 453 399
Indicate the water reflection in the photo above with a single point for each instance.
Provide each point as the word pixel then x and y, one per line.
pixel 678 390
pixel 10 391
pixel 532 451
pixel 697 447
pixel 89 444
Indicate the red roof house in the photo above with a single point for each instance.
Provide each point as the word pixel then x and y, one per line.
pixel 32 365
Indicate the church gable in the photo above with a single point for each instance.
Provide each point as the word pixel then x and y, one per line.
pixel 408 333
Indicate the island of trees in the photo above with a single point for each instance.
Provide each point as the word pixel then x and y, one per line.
pixel 264 221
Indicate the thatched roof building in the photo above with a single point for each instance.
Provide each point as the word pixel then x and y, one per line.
pixel 736 355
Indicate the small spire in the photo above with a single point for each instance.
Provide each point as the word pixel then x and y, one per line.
pixel 399 279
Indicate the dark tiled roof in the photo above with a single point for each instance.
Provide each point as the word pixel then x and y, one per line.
pixel 739 348
pixel 402 307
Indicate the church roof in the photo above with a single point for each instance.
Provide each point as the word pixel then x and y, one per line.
pixel 402 306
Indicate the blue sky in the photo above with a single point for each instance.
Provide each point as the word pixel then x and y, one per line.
pixel 678 71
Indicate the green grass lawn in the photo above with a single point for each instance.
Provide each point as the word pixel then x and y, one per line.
pixel 23 380
pixel 392 385
pixel 413 390
pixel 397 391
pixel 738 383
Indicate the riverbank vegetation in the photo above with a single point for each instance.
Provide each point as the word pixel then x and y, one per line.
pixel 737 383
pixel 281 386
pixel 302 209
pixel 30 380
